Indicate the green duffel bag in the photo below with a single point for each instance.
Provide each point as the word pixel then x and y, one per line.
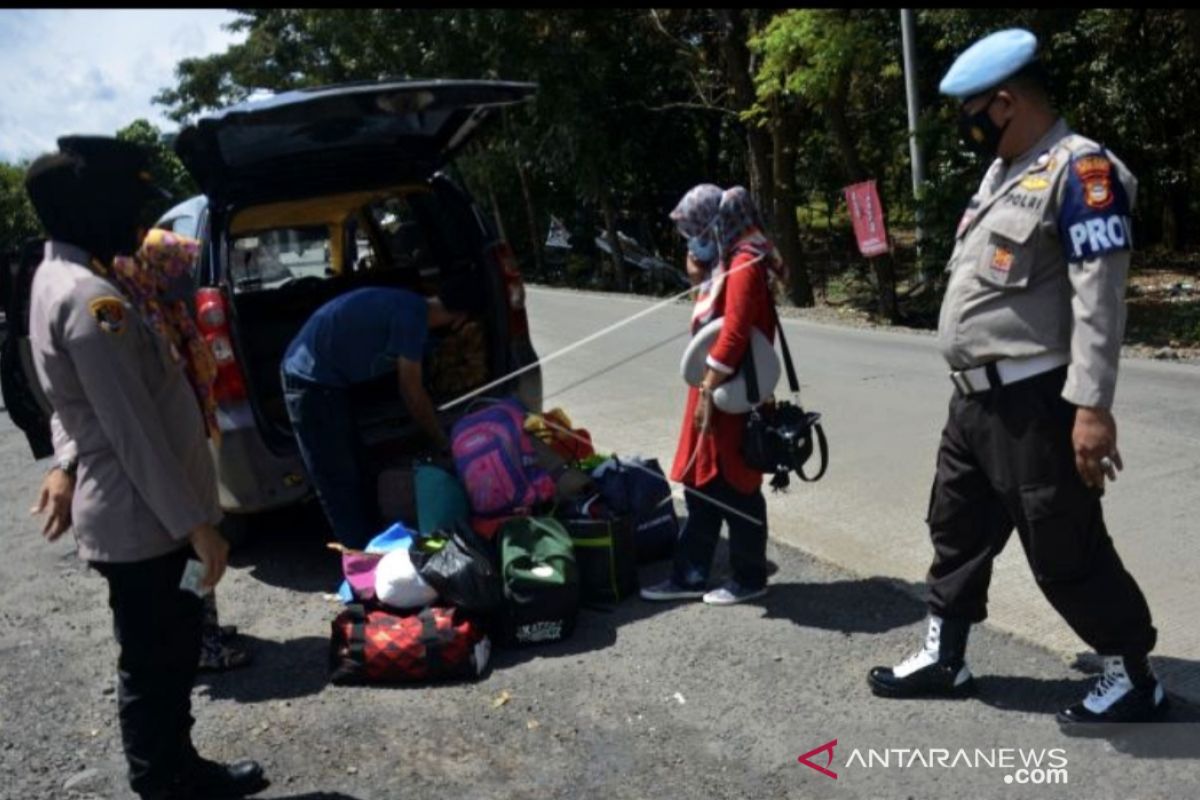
pixel 541 582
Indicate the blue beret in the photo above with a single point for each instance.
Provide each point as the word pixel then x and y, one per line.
pixel 988 62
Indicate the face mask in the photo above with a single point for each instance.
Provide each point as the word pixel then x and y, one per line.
pixel 703 249
pixel 979 133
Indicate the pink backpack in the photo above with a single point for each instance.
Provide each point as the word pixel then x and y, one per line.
pixel 496 461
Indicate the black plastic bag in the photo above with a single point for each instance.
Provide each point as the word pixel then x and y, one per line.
pixel 460 567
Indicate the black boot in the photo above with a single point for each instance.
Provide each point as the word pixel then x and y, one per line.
pixel 938 670
pixel 208 780
pixel 1128 692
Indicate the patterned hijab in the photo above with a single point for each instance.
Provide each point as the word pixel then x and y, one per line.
pixel 696 212
pixel 158 281
pixel 738 229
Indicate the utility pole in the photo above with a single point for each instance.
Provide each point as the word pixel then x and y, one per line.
pixel 908 36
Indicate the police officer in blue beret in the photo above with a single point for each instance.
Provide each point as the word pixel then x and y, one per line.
pixel 1031 327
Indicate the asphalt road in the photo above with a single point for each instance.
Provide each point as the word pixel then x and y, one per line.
pixel 884 396
pixel 654 702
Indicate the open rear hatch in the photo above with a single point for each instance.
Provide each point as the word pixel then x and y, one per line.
pixel 338 138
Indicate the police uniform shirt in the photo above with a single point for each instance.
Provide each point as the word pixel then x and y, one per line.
pixel 1040 262
pixel 145 477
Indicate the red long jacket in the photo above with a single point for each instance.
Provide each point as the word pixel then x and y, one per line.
pixel 743 302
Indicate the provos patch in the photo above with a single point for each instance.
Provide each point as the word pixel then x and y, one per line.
pixel 109 313
pixel 1093 220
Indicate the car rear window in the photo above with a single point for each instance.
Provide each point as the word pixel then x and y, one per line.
pixel 406 230
pixel 271 259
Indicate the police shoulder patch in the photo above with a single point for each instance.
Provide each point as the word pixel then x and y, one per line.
pixel 1095 177
pixel 109 313
pixel 1094 217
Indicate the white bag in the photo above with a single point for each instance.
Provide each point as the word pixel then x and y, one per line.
pixel 730 396
pixel 399 585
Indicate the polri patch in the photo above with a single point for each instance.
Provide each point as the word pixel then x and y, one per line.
pixel 1095 173
pixel 109 313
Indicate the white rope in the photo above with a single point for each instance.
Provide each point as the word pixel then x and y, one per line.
pixel 591 338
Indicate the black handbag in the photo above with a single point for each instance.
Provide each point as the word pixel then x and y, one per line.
pixel 780 436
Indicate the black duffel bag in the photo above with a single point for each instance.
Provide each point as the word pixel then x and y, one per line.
pixel 606 556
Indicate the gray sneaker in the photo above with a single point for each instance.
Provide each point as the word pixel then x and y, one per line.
pixel 731 594
pixel 669 590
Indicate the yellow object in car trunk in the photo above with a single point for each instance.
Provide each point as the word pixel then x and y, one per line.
pixel 331 211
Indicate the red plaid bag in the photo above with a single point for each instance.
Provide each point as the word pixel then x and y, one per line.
pixel 377 646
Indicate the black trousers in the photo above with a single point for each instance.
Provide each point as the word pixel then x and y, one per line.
pixel 1006 459
pixel 746 515
pixel 157 627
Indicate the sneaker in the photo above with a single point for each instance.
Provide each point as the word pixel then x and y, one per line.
pixel 732 593
pixel 669 590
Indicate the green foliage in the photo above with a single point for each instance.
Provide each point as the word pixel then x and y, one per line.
pixel 17 219
pixel 635 106
pixel 165 166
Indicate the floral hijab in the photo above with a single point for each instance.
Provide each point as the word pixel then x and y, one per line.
pixel 158 281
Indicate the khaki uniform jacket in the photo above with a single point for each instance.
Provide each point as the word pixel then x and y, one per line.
pixel 125 408
pixel 1040 264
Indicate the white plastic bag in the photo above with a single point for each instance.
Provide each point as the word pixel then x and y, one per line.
pixel 399 585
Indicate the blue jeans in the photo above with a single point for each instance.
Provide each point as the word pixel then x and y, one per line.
pixel 702 531
pixel 323 420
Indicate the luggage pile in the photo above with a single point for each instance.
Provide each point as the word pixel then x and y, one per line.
pixel 531 525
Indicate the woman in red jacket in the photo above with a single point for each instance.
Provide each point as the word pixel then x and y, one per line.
pixel 724 233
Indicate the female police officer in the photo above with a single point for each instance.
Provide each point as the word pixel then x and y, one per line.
pixel 128 431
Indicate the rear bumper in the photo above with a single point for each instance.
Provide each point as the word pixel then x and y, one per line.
pixel 250 478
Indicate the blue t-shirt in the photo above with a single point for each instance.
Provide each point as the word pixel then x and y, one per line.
pixel 358 336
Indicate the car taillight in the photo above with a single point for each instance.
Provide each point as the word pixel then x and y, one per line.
pixel 212 317
pixel 514 289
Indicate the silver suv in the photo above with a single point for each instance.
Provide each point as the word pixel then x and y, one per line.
pixel 312 193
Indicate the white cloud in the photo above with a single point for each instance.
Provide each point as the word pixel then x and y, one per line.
pixel 93 71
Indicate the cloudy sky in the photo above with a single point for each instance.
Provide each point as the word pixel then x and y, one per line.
pixel 93 71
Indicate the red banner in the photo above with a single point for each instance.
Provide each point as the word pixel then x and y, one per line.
pixel 867 215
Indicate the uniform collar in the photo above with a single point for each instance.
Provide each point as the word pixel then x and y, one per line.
pixel 1057 132
pixel 61 251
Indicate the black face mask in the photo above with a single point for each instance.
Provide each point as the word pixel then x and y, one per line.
pixel 97 206
pixel 102 219
pixel 979 133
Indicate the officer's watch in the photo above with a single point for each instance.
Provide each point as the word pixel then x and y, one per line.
pixel 68 464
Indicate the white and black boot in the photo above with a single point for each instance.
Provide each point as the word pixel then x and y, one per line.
pixel 1127 692
pixel 939 669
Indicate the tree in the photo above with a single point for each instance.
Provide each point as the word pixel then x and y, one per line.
pixel 636 106
pixel 18 222
pixel 165 167
pixel 831 65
